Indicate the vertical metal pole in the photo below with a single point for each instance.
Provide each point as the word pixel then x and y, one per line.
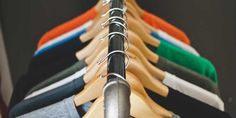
pixel 117 91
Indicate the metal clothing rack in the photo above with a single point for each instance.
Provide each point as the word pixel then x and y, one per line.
pixel 116 90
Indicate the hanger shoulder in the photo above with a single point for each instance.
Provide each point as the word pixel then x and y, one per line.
pixel 139 9
pixel 96 110
pixel 87 50
pixel 137 41
pixel 153 70
pixel 139 108
pixel 137 85
pixel 88 93
pixel 95 29
pixel 139 29
pixel 147 80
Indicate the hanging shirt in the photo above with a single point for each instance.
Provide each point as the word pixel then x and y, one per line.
pixel 63 109
pixel 163 64
pixel 63 38
pixel 46 65
pixel 185 106
pixel 47 98
pixel 170 80
pixel 79 30
pixel 77 67
pixel 188 60
pixel 187 75
pixel 151 19
pixel 68 26
pixel 59 83
pixel 193 91
pixel 159 23
pixel 171 40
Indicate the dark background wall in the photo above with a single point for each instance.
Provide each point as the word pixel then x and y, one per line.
pixel 211 25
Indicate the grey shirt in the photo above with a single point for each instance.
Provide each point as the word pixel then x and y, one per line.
pixel 187 75
pixel 63 109
pixel 59 76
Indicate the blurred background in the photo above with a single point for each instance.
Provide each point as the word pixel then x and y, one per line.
pixel 210 24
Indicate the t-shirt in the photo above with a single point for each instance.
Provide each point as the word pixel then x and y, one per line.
pixel 67 26
pixel 186 106
pixel 63 109
pixel 188 60
pixel 187 74
pixel 63 38
pixel 58 84
pixel 66 39
pixel 171 40
pixel 193 91
pixel 47 98
pixel 151 19
pixel 159 23
pixel 170 80
pixel 59 76
pixel 46 65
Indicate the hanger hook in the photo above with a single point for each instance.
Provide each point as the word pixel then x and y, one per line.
pixel 102 60
pixel 105 2
pixel 115 9
pixel 113 18
pixel 111 35
pixel 116 23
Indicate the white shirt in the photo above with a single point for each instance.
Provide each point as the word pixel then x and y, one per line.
pixel 193 91
pixel 177 42
pixel 58 84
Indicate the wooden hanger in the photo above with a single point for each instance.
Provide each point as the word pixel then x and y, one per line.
pixel 93 48
pixel 134 67
pixel 133 24
pixel 89 49
pixel 136 27
pixel 133 52
pixel 138 9
pixel 154 71
pixel 132 10
pixel 135 85
pixel 139 108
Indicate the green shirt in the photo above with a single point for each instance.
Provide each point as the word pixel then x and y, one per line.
pixel 186 59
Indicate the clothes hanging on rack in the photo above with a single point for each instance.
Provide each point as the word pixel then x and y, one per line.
pixel 169 78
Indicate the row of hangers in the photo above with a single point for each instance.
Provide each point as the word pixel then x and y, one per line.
pixel 140 73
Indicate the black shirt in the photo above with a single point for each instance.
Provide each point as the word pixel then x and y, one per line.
pixel 45 65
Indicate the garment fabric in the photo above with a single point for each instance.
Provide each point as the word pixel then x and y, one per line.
pixel 151 19
pixel 185 106
pixel 163 64
pixel 163 36
pixel 62 38
pixel 170 80
pixel 47 98
pixel 198 64
pixel 46 65
pixel 67 26
pixel 187 75
pixel 59 76
pixel 159 23
pixel 58 84
pixel 63 109
pixel 193 91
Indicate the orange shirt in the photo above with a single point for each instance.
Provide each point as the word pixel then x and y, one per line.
pixel 67 26
pixel 159 23
pixel 151 19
